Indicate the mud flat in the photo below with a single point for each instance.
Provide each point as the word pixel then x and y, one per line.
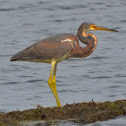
pixel 83 113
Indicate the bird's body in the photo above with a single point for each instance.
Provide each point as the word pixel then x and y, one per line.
pixel 59 47
pixel 56 47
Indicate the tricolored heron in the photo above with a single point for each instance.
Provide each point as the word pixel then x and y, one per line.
pixel 58 47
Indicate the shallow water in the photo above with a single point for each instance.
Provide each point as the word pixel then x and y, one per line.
pixel 119 121
pixel 101 76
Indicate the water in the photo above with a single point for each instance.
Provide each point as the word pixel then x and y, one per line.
pixel 101 76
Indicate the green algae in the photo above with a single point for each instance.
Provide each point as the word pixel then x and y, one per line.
pixel 80 112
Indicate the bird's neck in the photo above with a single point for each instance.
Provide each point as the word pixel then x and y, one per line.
pixel 90 40
pixel 91 44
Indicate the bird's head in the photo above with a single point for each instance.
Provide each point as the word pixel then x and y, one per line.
pixel 88 26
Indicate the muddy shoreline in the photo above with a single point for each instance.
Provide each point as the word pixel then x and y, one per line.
pixel 79 113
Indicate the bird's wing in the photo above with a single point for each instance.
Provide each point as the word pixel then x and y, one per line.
pixel 45 50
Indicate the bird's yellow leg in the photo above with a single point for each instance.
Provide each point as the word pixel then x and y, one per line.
pixel 52 83
pixel 54 78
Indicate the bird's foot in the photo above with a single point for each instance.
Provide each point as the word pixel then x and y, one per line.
pixel 59 104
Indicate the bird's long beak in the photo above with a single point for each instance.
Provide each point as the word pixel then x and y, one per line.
pixel 94 27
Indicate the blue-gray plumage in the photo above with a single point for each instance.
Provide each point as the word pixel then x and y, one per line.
pixel 54 47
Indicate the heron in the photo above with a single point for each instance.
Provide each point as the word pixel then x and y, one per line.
pixel 59 47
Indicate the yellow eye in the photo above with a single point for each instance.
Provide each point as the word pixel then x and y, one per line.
pixel 92 27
